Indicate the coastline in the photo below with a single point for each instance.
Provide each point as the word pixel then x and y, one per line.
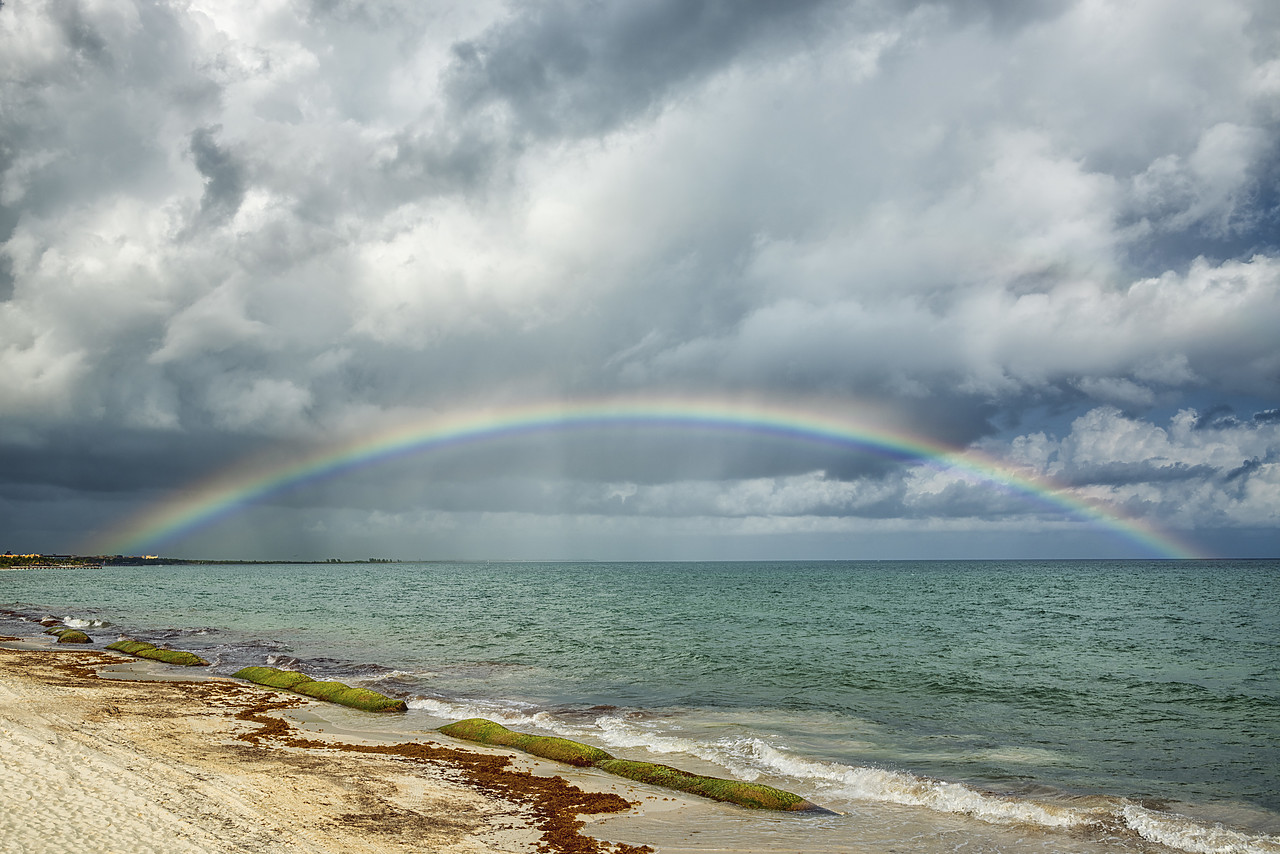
pixel 167 763
pixel 826 689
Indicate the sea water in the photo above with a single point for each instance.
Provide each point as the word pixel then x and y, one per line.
pixel 941 706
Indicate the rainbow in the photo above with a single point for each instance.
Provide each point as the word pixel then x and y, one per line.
pixel 207 502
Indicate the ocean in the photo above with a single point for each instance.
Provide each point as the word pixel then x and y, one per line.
pixel 1091 706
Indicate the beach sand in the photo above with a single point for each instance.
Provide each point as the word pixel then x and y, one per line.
pixel 150 763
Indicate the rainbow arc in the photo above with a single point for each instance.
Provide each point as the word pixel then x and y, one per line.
pixel 211 500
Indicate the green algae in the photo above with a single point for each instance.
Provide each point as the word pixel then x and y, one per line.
pixel 356 698
pixel 751 795
pixel 131 647
pixel 142 649
pixel 272 677
pixel 548 747
pixel 333 692
pixel 66 635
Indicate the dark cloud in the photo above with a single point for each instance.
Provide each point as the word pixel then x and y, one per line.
pixel 1217 418
pixel 1148 472
pixel 224 183
pixel 584 68
pixel 1003 14
pixel 117 461
pixel 574 70
pixel 86 43
pixel 1245 469
pixel 6 278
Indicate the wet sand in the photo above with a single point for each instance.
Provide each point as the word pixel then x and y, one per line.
pixel 95 763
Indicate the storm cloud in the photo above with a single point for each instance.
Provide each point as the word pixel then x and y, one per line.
pixel 1049 231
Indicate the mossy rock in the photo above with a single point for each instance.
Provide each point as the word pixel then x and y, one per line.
pixel 142 649
pixel 130 647
pixel 751 795
pixel 356 698
pixel 273 677
pixel 548 747
pixel 333 692
pixel 66 635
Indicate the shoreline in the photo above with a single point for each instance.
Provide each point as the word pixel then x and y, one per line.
pixel 539 663
pixel 165 763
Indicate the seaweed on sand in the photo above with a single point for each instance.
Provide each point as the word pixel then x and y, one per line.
pixel 752 795
pixel 142 649
pixel 333 692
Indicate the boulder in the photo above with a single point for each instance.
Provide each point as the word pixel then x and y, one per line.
pixel 332 692
pixel 751 795
pixel 142 649
pixel 548 747
pixel 66 635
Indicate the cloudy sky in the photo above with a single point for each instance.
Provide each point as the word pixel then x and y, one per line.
pixel 1046 230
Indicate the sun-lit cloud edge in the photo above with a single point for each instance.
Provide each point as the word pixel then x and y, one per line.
pixel 204 503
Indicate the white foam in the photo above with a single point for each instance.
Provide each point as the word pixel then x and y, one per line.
pixel 392 674
pixel 740 756
pixel 749 758
pixel 1169 829
pixel 617 732
pixel 511 714
pixel 878 784
pixel 1187 834
pixel 77 623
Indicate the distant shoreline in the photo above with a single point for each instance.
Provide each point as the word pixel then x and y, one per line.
pixel 11 562
pixel 99 561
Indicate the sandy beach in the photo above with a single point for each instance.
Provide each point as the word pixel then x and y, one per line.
pixel 94 763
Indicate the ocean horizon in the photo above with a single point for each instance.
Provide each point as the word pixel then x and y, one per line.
pixel 1035 705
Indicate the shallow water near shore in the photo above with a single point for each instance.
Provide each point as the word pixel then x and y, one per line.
pixel 938 706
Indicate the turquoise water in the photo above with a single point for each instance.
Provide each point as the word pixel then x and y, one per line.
pixel 1088 695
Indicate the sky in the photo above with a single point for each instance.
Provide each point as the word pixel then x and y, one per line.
pixel 233 233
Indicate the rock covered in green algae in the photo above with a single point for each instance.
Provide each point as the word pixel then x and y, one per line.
pixel 333 692
pixel 272 677
pixel 356 698
pixel 752 795
pixel 66 635
pixel 142 649
pixel 548 747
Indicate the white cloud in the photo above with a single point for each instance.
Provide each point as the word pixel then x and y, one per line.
pixel 1205 187
pixel 258 405
pixel 1188 474
pixel 214 323
pixel 1117 390
pixel 1211 324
